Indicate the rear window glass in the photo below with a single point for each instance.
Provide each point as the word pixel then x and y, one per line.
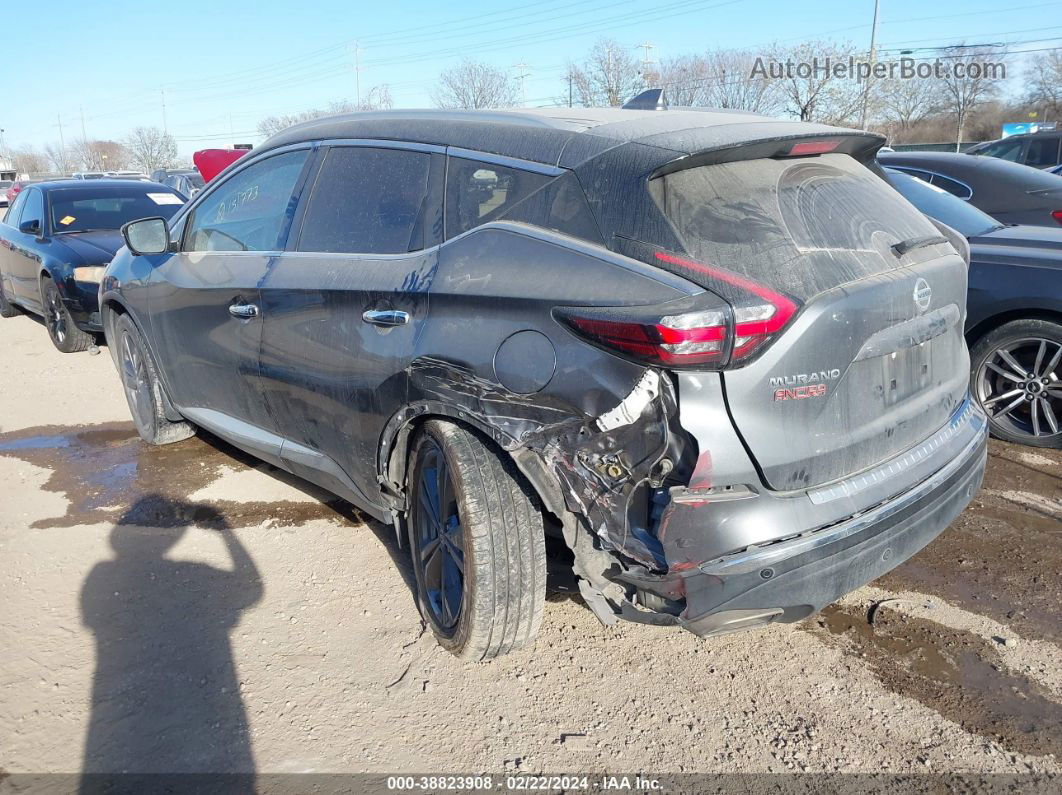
pixel 82 209
pixel 804 226
pixel 479 192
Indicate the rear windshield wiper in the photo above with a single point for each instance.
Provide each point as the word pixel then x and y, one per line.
pixel 905 246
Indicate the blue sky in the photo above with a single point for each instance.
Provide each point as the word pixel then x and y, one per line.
pixel 221 69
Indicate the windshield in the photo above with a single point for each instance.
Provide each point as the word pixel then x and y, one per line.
pixel 82 209
pixel 964 218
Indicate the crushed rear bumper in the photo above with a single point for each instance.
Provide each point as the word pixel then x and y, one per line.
pixel 790 578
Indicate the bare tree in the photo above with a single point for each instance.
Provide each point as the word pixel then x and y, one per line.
pixel 59 158
pixel 967 84
pixel 473 84
pixel 150 148
pixel 100 155
pixel 906 102
pixel 609 76
pixel 815 94
pixel 378 98
pixel 27 160
pixel 1044 81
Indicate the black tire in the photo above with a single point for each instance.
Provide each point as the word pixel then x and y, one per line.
pixel 143 389
pixel 6 309
pixel 1016 376
pixel 64 334
pixel 500 539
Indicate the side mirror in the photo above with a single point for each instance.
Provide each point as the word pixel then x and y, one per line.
pixel 30 228
pixel 147 236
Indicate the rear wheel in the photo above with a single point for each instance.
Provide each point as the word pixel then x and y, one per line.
pixel 143 390
pixel 1017 379
pixel 62 331
pixel 478 544
pixel 6 309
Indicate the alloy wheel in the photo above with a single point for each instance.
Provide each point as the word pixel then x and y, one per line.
pixel 439 553
pixel 55 317
pixel 1020 386
pixel 136 382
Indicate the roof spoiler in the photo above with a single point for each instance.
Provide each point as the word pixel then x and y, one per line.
pixel 653 99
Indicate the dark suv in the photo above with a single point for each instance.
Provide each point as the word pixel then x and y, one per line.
pixel 713 352
pixel 1039 150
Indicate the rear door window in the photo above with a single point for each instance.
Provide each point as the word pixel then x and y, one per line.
pixel 804 226
pixel 250 210
pixel 368 201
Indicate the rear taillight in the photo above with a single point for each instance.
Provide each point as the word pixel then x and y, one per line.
pixel 1057 215
pixel 703 331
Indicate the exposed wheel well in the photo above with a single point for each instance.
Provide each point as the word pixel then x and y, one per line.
pixel 529 465
pixel 988 325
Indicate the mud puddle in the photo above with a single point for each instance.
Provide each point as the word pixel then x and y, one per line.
pixel 109 475
pixel 1001 557
pixel 957 674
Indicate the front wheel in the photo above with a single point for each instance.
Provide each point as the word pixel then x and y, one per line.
pixel 143 389
pixel 478 543
pixel 1017 379
pixel 64 334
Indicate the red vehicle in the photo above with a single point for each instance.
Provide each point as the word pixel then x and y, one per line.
pixel 13 191
pixel 212 162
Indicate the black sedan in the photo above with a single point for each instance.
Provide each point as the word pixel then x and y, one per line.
pixel 1014 315
pixel 55 242
pixel 1009 192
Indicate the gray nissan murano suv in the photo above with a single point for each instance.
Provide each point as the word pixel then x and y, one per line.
pixel 711 357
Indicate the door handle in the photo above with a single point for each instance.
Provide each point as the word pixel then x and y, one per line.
pixel 385 317
pixel 244 311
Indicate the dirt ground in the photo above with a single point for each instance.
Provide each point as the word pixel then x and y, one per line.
pixel 188 609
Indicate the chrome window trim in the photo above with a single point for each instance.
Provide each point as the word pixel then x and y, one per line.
pixel 503 160
pixel 917 171
pixel 383 143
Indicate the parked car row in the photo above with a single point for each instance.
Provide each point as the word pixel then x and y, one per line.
pixel 714 355
pixel 1009 192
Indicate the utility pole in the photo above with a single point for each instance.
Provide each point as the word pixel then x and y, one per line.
pixel 84 135
pixel 571 79
pixel 357 73
pixel 646 62
pixel 866 88
pixel 62 141
pixel 165 126
pixel 521 75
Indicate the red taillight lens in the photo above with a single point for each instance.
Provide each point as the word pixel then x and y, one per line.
pixel 712 334
pixel 761 313
pixel 1057 215
pixel 689 338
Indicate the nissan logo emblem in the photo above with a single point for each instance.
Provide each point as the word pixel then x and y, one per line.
pixel 923 294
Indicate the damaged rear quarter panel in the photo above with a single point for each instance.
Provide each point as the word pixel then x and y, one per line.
pixel 599 426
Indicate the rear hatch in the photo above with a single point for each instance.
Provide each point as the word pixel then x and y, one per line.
pixel 874 360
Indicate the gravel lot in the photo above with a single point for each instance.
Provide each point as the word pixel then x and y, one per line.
pixel 186 608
